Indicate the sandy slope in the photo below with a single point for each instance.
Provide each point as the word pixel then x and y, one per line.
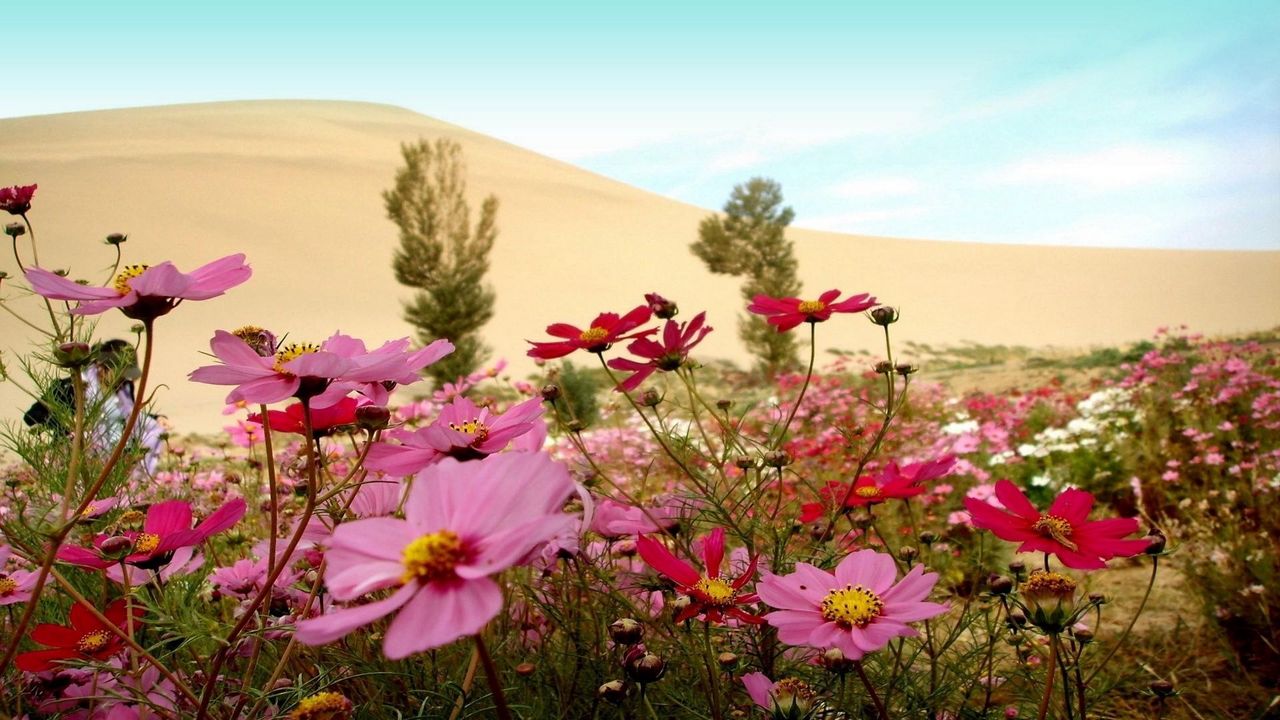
pixel 297 186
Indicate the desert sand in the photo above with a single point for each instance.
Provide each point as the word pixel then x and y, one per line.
pixel 297 186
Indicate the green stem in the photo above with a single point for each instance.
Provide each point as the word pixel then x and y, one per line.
pixel 1155 564
pixel 871 691
pixel 1048 682
pixel 808 375
pixel 495 682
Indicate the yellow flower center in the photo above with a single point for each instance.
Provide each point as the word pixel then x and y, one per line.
pixel 432 556
pixel 852 605
pixel 8 586
pixel 146 542
pixel 809 307
pixel 715 591
pixel 1049 584
pixel 472 427
pixel 129 272
pixel 93 642
pixel 256 338
pixel 1057 528
pixel 291 352
pixel 323 706
pixel 867 491
pixel 130 518
pixel 594 336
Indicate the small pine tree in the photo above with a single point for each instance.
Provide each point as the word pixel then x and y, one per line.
pixel 441 255
pixel 750 241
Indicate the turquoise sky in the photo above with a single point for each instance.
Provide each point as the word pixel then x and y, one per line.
pixel 1089 123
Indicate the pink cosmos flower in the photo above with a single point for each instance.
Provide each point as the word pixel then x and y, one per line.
pixel 614 519
pixel 464 521
pixel 463 430
pixel 16 200
pixel 374 373
pixel 300 370
pixel 710 595
pixel 677 340
pixel 787 698
pixel 15 587
pixel 1065 530
pixel 605 330
pixel 167 527
pixel 857 609
pixel 786 313
pixel 144 292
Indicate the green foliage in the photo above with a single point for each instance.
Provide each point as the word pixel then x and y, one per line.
pixel 441 255
pixel 750 242
pixel 579 388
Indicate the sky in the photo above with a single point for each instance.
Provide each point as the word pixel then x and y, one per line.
pixel 1124 124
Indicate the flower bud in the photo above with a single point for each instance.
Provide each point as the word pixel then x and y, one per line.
pixel 650 398
pixel 905 369
pixel 1018 568
pixel 1000 585
pixel 550 392
pixel 724 404
pixel 626 631
pixel 928 537
pixel 1050 598
pixel 116 238
pixel 613 692
pixel 792 698
pixel 834 660
pixel 906 553
pixel 1084 636
pixel 1017 618
pixel 72 354
pixel 884 315
pixel 727 660
pixel 373 417
pixel 777 459
pixel 884 367
pixel 745 462
pixel 1097 598
pixel 15 229
pixel 661 307
pixel 116 546
pixel 1162 688
pixel 646 667
pixel 525 669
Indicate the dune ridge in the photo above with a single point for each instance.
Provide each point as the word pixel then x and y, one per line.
pixel 297 186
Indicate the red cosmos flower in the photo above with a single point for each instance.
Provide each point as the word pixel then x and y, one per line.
pixel 677 340
pixel 16 200
pixel 323 420
pixel 712 597
pixel 890 483
pixel 167 527
pixel 786 313
pixel 1065 530
pixel 85 639
pixel 604 331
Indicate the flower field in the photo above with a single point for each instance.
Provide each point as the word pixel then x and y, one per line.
pixel 631 534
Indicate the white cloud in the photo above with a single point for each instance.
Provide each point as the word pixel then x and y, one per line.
pixel 1113 168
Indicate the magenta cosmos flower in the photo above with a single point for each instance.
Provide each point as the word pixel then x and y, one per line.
pixel 463 522
pixel 604 331
pixel 167 527
pixel 15 587
pixel 711 596
pixel 301 370
pixel 463 431
pixel 786 313
pixel 16 200
pixel 677 340
pixel 144 292
pixel 1065 530
pixel 893 482
pixel 857 609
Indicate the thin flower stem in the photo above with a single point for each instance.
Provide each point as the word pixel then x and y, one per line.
pixel 268 585
pixel 1056 648
pixel 1048 681
pixel 1155 564
pixel 26 322
pixel 90 495
pixel 467 681
pixel 495 682
pixel 35 256
pixel 271 483
pixel 871 691
pixel 808 375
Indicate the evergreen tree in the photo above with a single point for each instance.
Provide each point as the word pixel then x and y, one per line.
pixel 441 255
pixel 750 241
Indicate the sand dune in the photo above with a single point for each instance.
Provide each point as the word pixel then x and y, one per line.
pixel 297 186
